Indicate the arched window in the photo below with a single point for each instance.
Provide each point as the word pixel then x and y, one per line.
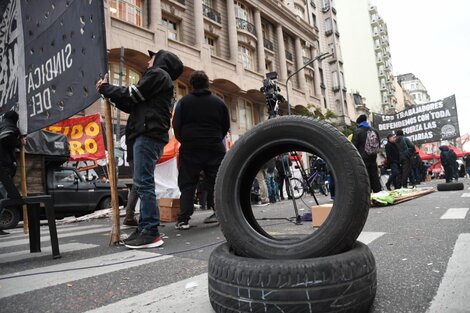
pixel 246 56
pixel 130 75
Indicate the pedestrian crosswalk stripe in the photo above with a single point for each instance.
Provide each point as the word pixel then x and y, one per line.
pixel 455 214
pixel 189 295
pixel 367 237
pixel 452 295
pixel 45 230
pixel 46 237
pixel 17 283
pixel 466 195
pixel 26 254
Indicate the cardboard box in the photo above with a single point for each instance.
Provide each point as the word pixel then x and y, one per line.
pixel 169 209
pixel 169 202
pixel 320 213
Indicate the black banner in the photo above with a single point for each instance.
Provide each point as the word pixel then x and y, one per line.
pixel 59 48
pixel 430 122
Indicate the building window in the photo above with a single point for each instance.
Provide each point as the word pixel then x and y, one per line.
pixel 245 114
pixel 335 80
pixel 269 66
pixel 241 11
pixel 311 85
pixel 209 3
pixel 212 42
pixel 246 56
pixel 172 27
pixel 328 26
pixel 314 20
pixel 341 80
pixel 127 10
pixel 129 75
pixel 181 90
pixel 299 11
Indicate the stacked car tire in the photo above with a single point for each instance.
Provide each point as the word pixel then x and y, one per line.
pixel 326 271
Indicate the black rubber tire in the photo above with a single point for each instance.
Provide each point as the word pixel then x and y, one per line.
pixel 256 147
pixel 10 218
pixel 450 186
pixel 345 282
pixel 297 188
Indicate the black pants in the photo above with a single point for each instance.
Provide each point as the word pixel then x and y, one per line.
pixel 191 164
pixel 374 179
pixel 405 171
pixel 6 178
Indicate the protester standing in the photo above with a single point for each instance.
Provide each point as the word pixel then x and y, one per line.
pixel 407 149
pixel 10 139
pixel 367 141
pixel 149 105
pixel 201 122
pixel 393 161
pixel 467 164
pixel 283 164
pixel 447 161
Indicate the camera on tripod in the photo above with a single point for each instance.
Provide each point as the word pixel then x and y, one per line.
pixel 271 91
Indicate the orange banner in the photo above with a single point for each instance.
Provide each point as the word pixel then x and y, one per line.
pixel 85 137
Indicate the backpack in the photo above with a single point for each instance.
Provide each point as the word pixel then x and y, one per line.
pixel 372 142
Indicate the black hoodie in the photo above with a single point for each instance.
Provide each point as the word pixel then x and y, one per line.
pixel 9 140
pixel 149 102
pixel 201 121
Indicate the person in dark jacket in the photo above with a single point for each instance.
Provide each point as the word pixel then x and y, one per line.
pixel 467 164
pixel 447 161
pixel 149 105
pixel 201 122
pixel 393 160
pixel 370 160
pixel 455 171
pixel 283 167
pixel 10 139
pixel 407 149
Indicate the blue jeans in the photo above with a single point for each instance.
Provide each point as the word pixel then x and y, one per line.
pixel 147 152
pixel 271 185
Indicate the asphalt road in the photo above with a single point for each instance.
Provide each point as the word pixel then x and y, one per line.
pixel 418 245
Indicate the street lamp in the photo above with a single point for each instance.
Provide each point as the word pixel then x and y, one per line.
pixel 318 57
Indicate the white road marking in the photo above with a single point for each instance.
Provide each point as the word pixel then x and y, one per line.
pixel 466 195
pixel 367 237
pixel 45 230
pixel 26 254
pixel 452 295
pixel 455 214
pixel 189 295
pixel 13 284
pixel 46 237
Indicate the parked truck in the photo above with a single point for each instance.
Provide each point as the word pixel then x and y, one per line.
pixel 72 194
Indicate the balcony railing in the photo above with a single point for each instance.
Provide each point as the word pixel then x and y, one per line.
pixel 268 44
pixel 211 13
pixel 183 2
pixel 245 25
pixel 289 56
pixel 306 60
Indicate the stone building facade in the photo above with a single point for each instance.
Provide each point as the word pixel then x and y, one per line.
pixel 236 43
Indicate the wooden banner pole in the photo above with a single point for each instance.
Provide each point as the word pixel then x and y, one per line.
pixel 24 189
pixel 115 230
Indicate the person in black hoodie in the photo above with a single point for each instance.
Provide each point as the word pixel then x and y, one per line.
pixel 10 139
pixel 393 160
pixel 359 139
pixel 149 105
pixel 200 122
pixel 447 161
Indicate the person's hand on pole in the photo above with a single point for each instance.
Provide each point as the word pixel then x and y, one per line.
pixel 101 82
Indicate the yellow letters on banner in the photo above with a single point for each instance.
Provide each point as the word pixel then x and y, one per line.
pixel 77 132
pixel 90 145
pixel 92 129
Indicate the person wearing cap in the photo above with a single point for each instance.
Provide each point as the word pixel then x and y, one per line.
pixel 359 140
pixel 149 105
pixel 407 149
pixel 393 160
pixel 10 139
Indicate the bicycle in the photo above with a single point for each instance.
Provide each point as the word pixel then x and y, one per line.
pixel 316 180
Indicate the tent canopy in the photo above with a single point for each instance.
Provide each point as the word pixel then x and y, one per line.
pixel 424 156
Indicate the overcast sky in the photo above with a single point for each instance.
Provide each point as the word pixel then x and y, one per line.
pixel 431 39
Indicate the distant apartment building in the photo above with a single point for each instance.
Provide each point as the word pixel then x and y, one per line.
pixel 366 54
pixel 236 43
pixel 415 88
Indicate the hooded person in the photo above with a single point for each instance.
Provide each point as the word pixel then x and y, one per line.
pixel 447 160
pixel 9 141
pixel 149 104
pixel 366 139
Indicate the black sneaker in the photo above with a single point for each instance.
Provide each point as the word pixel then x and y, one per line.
pixel 144 241
pixel 3 233
pixel 182 225
pixel 132 236
pixel 211 219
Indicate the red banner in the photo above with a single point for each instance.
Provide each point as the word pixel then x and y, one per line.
pixel 85 137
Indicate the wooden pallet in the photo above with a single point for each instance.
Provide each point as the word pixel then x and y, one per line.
pixel 413 195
